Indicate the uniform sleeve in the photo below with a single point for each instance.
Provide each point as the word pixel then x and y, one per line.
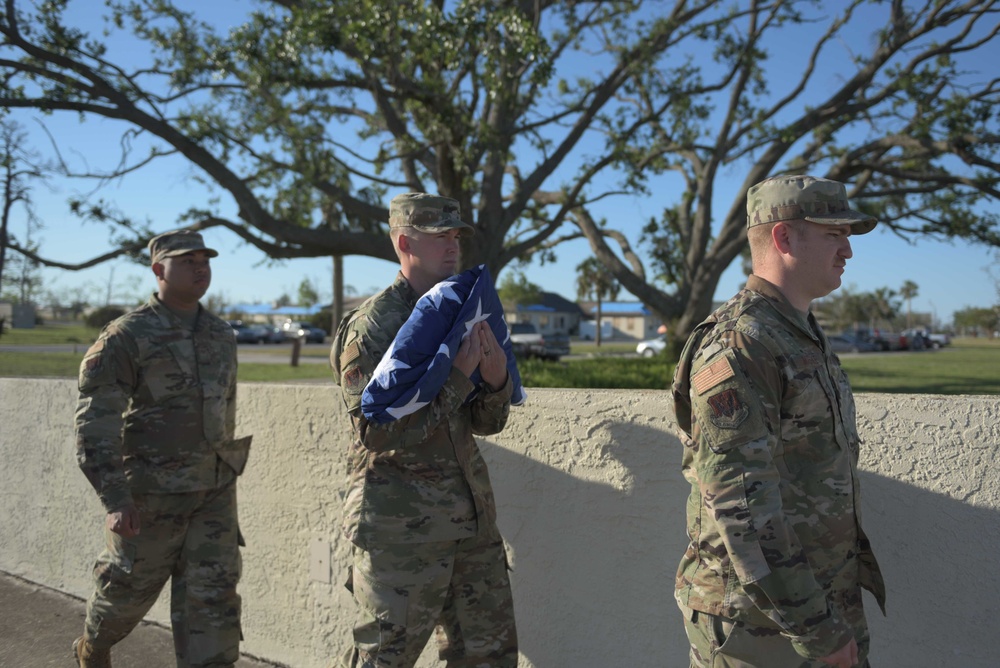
pixel 231 401
pixel 356 363
pixel 490 409
pixel 108 377
pixel 736 401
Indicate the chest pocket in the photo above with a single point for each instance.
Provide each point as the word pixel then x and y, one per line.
pixel 163 375
pixel 216 368
pixel 808 418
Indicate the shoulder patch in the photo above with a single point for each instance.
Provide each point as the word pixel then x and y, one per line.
pixel 92 359
pixel 728 410
pixel 712 375
pixel 353 380
pixel 351 353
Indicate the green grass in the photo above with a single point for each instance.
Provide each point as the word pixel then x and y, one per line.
pixel 49 334
pixel 67 365
pixel 40 365
pixel 277 373
pixel 969 366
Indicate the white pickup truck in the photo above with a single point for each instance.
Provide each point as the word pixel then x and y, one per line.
pixel 528 342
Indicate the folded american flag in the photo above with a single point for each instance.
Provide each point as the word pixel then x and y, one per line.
pixel 418 362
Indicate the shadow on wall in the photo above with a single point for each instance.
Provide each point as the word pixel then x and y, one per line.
pixel 595 524
pixel 591 541
pixel 939 558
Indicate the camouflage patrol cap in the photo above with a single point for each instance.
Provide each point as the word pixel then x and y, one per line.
pixel 804 198
pixel 427 213
pixel 178 242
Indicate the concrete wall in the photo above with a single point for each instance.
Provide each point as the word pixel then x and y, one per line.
pixel 591 503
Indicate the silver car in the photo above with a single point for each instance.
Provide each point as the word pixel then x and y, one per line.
pixel 650 347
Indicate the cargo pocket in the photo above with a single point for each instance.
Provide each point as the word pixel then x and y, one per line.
pixel 383 613
pixel 113 569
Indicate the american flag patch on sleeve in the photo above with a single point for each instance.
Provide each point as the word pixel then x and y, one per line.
pixel 712 375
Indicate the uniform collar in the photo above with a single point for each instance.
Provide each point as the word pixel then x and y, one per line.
pixel 168 317
pixel 405 290
pixel 774 296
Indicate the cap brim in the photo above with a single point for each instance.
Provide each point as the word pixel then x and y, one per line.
pixel 211 252
pixel 860 223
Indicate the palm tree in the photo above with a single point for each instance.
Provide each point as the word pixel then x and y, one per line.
pixel 908 292
pixel 594 281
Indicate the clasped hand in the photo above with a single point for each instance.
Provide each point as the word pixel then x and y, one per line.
pixel 481 349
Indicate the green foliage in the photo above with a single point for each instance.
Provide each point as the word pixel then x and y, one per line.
pixel 653 373
pixel 515 289
pixel 308 293
pixel 594 281
pixel 308 113
pixel 98 318
pixel 983 321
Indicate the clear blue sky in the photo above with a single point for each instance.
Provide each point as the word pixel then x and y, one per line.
pixel 950 276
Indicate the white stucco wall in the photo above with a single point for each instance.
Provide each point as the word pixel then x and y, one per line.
pixel 590 501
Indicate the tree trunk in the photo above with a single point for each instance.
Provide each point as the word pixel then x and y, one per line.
pixel 337 307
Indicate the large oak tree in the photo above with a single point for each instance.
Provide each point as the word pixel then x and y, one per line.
pixel 535 114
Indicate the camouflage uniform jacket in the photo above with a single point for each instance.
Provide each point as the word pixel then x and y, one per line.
pixel 157 406
pixel 767 419
pixel 421 478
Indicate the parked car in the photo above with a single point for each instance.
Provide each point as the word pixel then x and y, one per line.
pixel 915 340
pixel 845 343
pixel 936 340
pixel 269 333
pixel 528 342
pixel 556 346
pixel 307 332
pixel 243 332
pixel 651 347
pixel 882 339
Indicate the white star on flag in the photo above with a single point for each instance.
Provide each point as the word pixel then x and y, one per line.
pixel 443 290
pixel 478 317
pixel 412 406
pixel 386 367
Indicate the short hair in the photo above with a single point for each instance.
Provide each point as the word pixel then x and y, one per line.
pixel 759 237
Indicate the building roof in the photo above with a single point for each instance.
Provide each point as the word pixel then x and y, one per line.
pixel 616 308
pixel 553 303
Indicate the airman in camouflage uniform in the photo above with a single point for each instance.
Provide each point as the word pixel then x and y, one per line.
pixel 155 437
pixel 777 557
pixel 419 507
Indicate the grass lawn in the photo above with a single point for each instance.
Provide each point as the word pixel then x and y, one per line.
pixel 969 366
pixel 44 335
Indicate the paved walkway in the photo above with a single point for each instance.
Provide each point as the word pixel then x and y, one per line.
pixel 38 626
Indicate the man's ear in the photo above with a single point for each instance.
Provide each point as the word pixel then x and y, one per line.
pixel 158 270
pixel 781 236
pixel 403 242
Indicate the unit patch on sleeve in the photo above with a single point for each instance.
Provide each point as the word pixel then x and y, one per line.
pixel 728 410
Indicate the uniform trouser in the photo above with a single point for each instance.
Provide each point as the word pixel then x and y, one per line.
pixel 406 591
pixel 717 642
pixel 193 538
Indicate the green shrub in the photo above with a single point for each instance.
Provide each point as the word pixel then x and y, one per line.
pixel 654 373
pixel 102 316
